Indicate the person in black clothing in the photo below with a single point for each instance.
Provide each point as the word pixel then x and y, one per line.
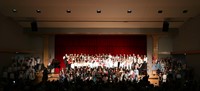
pixel 65 59
pixel 45 75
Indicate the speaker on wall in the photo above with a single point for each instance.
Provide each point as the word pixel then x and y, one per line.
pixel 34 26
pixel 165 26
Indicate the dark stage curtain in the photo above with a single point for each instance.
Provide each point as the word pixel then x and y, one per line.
pixel 95 44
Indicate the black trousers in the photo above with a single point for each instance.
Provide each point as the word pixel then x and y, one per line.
pixel 69 66
pixel 118 64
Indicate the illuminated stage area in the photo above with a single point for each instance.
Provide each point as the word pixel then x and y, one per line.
pixel 99 45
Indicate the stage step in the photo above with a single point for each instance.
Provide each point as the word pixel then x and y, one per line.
pixel 154 81
pixel 52 77
pixel 154 78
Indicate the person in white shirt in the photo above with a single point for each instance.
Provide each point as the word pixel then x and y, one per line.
pixel 132 75
pixel 33 62
pixel 162 67
pixel 72 65
pixel 134 58
pixel 136 72
pixel 38 63
pixel 123 63
pixel 140 61
pixel 164 78
pixel 115 63
pixel 110 63
pixel 121 77
pixel 129 63
pixel 145 59
pixel 109 56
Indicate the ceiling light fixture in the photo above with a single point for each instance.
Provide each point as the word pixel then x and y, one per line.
pixel 185 11
pixel 68 11
pixel 14 10
pixel 38 11
pixel 160 11
pixel 98 11
pixel 129 11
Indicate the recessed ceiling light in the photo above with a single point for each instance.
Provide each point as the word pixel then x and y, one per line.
pixel 14 10
pixel 129 11
pixel 185 11
pixel 68 11
pixel 38 11
pixel 98 11
pixel 160 11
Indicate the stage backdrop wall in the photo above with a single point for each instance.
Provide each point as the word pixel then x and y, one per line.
pixel 95 44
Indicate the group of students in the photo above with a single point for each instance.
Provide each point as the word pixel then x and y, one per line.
pixel 22 68
pixel 104 60
pixel 105 67
pixel 99 74
pixel 169 69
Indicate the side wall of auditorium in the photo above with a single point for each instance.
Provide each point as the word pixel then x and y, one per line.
pixel 14 41
pixel 188 41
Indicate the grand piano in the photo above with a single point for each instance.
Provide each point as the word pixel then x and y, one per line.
pixel 54 64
